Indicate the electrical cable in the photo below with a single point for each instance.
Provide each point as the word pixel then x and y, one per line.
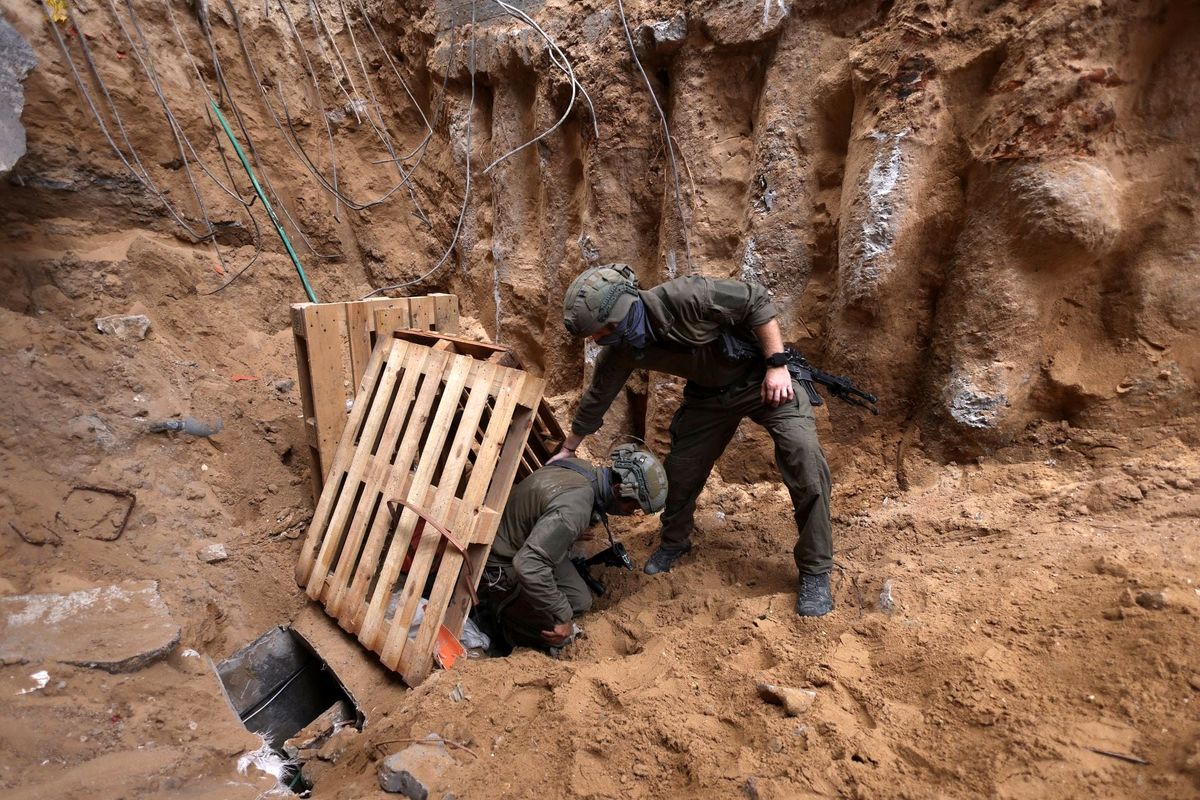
pixel 298 148
pixel 362 9
pixel 559 59
pixel 666 134
pixel 466 189
pixel 206 29
pixel 142 177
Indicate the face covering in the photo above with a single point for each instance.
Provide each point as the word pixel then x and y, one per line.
pixel 634 329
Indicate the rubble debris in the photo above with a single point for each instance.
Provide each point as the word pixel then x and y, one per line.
pixel 16 61
pixel 188 425
pixel 40 679
pixel 887 602
pixel 414 769
pixel 117 628
pixel 794 701
pixel 1154 601
pixel 128 327
pixel 213 553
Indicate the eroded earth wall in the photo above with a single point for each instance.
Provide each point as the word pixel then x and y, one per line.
pixel 983 211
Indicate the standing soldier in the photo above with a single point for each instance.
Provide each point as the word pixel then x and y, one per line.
pixel 530 589
pixel 677 328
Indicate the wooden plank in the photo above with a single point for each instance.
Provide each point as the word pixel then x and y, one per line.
pixel 424 313
pixel 480 387
pixel 413 666
pixel 396 317
pixel 445 313
pixel 299 336
pixel 372 634
pixel 374 480
pixel 337 530
pixel 329 494
pixel 353 613
pixel 359 324
pixel 323 329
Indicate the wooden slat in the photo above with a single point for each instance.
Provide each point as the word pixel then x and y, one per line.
pixel 445 313
pixel 323 326
pixel 393 318
pixel 473 496
pixel 424 313
pixel 329 494
pixel 372 633
pixel 359 325
pixel 480 389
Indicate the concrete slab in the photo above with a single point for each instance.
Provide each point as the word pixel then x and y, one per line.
pixel 118 628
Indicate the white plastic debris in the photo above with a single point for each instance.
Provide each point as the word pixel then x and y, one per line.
pixel 40 678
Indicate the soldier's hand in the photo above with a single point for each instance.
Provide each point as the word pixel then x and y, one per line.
pixel 777 387
pixel 558 634
pixel 561 454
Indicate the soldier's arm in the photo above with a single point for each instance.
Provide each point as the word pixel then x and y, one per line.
pixel 612 371
pixel 777 383
pixel 547 545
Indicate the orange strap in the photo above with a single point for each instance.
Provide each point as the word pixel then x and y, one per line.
pixel 394 507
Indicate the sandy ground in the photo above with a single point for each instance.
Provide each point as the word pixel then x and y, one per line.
pixel 1043 600
pixel 985 212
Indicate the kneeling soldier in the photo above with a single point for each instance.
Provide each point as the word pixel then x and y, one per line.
pixel 530 589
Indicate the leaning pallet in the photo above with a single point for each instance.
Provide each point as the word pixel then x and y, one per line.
pixel 414 494
pixel 334 342
pixel 547 434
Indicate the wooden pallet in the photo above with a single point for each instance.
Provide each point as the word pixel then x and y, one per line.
pixel 416 486
pixel 334 342
pixel 547 435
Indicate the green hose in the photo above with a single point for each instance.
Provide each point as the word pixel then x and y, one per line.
pixel 308 290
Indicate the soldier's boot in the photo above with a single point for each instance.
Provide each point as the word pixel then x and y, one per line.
pixel 814 598
pixel 662 559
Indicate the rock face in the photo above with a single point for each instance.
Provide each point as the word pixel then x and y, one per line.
pixel 118 628
pixel 16 60
pixel 985 217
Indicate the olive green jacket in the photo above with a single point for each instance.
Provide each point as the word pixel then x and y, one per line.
pixel 688 316
pixel 545 514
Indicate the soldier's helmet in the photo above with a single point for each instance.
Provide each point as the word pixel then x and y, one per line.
pixel 640 477
pixel 598 297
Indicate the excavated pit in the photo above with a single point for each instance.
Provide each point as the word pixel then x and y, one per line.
pixel 984 212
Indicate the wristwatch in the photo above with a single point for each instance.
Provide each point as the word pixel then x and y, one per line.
pixel 777 360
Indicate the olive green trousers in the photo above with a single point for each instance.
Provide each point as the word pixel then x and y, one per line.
pixel 700 431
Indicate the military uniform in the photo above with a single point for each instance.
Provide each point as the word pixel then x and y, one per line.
pixel 530 584
pixel 687 316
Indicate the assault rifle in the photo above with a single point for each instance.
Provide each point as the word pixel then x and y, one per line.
pixel 840 387
pixel 614 556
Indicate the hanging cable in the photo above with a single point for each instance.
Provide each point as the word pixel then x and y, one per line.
pixel 467 180
pixel 666 134
pixel 218 70
pixel 362 9
pixel 560 60
pixel 142 176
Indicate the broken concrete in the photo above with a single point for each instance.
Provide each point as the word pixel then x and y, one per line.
pixel 417 769
pixel 118 628
pixel 213 553
pixel 130 327
pixel 16 60
pixel 794 701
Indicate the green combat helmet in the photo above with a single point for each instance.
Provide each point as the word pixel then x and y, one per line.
pixel 598 297
pixel 641 476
